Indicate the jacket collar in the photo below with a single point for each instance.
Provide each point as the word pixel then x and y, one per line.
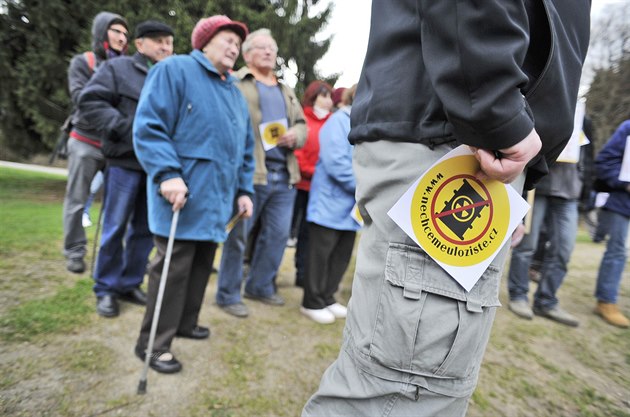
pixel 140 62
pixel 205 62
pixel 245 72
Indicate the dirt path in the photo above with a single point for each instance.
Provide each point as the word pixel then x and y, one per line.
pixel 35 168
pixel 270 363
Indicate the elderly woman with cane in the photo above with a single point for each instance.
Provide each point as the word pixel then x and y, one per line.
pixel 193 137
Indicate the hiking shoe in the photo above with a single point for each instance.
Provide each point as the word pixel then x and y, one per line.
pixel 521 308
pixel 107 306
pixel 557 314
pixel 76 265
pixel 337 310
pixel 321 316
pixel 135 296
pixel 611 314
pixel 237 309
pixel 273 299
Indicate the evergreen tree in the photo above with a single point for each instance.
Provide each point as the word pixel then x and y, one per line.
pixel 607 100
pixel 297 39
pixel 38 39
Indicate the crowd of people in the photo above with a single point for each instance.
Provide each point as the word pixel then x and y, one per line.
pixel 192 138
pixel 139 123
pixel 544 253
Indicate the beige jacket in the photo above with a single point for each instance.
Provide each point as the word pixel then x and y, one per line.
pixel 295 116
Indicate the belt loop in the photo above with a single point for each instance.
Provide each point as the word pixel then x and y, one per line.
pixel 473 305
pixel 412 291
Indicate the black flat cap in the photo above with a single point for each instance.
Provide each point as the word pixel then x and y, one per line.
pixel 152 29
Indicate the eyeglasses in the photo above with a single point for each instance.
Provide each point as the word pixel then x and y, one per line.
pixel 271 48
pixel 118 32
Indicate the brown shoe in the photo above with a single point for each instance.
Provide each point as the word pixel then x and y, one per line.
pixel 610 313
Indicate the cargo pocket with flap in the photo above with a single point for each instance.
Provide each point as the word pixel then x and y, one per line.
pixel 426 323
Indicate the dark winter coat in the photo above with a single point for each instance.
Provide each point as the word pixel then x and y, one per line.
pixel 608 166
pixel 108 103
pixel 482 73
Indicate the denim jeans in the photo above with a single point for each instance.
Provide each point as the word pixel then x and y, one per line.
pixel 126 240
pixel 273 205
pixel 560 217
pixel 603 225
pixel 614 260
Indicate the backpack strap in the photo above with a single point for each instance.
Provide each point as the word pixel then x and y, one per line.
pixel 91 59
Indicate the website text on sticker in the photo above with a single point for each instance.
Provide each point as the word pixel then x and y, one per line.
pixel 457 219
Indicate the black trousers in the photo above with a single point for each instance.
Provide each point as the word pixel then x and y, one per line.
pixel 301 230
pixel 329 253
pixel 189 271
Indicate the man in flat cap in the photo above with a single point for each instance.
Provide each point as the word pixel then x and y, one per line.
pixel 109 104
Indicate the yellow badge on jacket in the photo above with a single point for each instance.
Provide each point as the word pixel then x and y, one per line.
pixel 271 131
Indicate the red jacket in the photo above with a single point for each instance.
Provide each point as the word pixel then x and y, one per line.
pixel 308 155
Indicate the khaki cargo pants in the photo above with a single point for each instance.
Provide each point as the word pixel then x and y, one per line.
pixel 414 338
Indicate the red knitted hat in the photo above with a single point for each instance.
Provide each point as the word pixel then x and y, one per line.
pixel 206 28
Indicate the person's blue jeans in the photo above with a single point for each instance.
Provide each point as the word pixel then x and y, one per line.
pixel 126 240
pixel 273 205
pixel 560 217
pixel 614 259
pixel 601 231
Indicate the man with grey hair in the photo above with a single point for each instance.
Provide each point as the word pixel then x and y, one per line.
pixel 279 126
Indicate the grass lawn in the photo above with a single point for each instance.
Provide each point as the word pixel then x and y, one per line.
pixel 61 359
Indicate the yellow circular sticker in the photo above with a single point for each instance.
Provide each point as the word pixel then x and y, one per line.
pixel 272 132
pixel 457 219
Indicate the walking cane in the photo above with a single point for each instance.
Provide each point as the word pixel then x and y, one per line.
pixel 142 384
